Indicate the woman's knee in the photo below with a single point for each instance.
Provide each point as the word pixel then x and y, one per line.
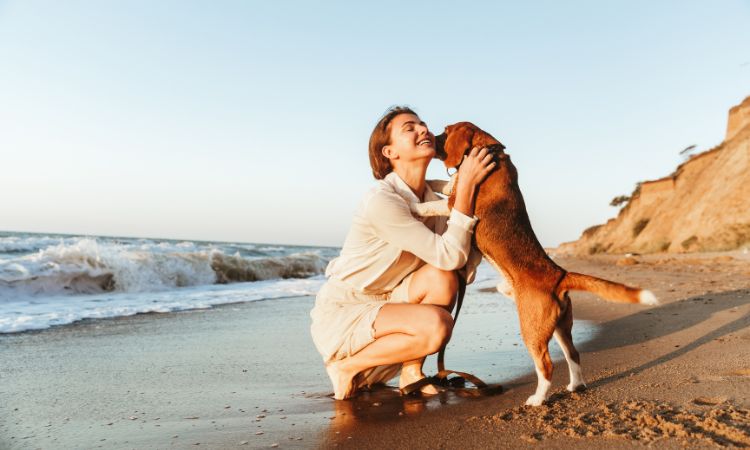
pixel 437 330
pixel 440 285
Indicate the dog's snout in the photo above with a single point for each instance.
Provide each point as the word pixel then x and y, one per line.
pixel 440 147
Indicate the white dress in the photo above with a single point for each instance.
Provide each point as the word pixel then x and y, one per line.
pixel 384 247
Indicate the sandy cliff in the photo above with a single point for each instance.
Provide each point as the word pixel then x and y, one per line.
pixel 703 206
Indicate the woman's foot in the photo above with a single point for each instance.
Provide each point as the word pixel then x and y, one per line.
pixel 342 380
pixel 413 373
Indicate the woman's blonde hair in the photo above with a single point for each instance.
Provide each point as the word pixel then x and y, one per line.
pixel 380 137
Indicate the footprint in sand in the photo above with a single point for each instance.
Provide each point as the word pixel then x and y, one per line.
pixel 709 401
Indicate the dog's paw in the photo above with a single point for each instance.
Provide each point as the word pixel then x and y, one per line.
pixel 576 387
pixel 535 400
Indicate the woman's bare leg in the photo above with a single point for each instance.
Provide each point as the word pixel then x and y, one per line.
pixel 402 332
pixel 429 286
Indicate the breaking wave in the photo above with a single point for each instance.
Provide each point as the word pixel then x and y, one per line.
pixel 88 266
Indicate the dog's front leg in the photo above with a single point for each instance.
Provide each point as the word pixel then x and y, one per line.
pixel 429 209
pixel 448 188
pixel 437 207
pixel 442 186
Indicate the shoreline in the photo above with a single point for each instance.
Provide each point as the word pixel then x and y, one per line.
pixel 102 321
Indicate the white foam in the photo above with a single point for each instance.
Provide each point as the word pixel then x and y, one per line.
pixel 271 249
pixel 34 313
pixel 26 244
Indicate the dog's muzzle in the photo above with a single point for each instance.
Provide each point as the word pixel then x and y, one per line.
pixel 440 147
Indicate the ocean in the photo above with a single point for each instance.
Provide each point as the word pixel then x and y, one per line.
pixel 54 279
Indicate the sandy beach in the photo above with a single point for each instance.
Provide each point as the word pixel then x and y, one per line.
pixel 247 375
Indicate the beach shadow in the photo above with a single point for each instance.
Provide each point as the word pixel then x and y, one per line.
pixel 664 320
pixel 668 319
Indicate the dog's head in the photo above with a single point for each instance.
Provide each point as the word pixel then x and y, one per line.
pixel 458 139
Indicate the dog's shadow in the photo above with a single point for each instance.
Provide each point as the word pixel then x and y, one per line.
pixel 668 319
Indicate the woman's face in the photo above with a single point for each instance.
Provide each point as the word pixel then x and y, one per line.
pixel 410 140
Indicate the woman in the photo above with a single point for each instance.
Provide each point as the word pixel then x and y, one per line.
pixel 387 302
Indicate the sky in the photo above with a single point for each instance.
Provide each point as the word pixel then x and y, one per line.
pixel 248 121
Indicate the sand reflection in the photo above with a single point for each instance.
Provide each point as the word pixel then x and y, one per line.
pixel 379 406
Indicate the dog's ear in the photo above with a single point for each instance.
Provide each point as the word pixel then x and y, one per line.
pixel 457 144
pixel 484 139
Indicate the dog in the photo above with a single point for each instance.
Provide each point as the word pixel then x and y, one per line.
pixel 506 239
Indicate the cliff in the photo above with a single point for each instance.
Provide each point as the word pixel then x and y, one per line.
pixel 739 118
pixel 703 206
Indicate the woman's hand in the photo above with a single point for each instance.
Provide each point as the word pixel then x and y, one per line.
pixel 473 170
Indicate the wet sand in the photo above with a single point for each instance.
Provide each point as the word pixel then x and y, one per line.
pixel 210 378
pixel 247 375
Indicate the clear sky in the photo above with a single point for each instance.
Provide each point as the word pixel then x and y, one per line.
pixel 249 121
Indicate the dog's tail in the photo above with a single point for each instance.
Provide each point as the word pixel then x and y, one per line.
pixel 609 290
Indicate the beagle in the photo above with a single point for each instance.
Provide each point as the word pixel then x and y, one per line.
pixel 504 235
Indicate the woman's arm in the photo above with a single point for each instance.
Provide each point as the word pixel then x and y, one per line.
pixel 391 220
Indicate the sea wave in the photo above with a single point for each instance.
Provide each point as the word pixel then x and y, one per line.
pixel 22 314
pixel 27 244
pixel 237 268
pixel 88 266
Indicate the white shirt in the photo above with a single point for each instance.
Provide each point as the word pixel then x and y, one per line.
pixel 386 242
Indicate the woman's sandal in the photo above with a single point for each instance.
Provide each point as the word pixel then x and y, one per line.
pixel 416 387
pixel 457 384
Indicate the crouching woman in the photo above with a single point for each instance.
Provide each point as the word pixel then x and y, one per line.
pixel 386 304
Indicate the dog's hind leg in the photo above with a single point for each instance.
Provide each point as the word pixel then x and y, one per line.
pixel 564 338
pixel 537 326
pixel 543 366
